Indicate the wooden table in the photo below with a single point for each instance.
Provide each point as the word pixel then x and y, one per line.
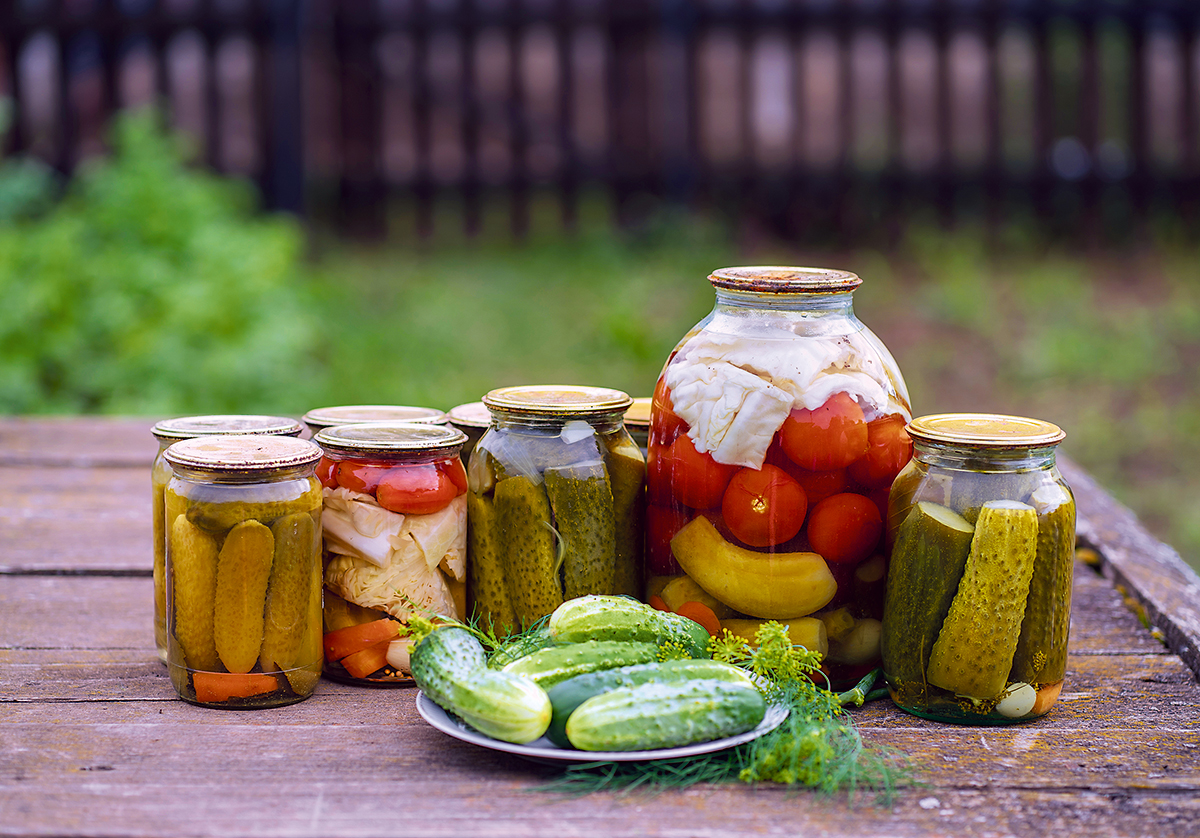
pixel 93 740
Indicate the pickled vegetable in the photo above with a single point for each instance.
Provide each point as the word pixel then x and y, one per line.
pixel 1041 656
pixel 193 591
pixel 973 652
pixel 627 473
pixel 492 603
pixel 218 515
pixel 289 591
pixel 243 572
pixel 581 499
pixel 529 549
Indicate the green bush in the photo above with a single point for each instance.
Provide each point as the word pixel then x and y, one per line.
pixel 149 288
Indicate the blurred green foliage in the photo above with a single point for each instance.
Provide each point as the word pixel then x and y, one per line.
pixel 149 287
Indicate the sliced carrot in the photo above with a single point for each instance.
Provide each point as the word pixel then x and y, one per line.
pixel 702 614
pixel 222 686
pixel 351 639
pixel 365 661
pixel 657 602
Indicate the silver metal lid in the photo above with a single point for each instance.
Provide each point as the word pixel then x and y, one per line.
pixel 383 438
pixel 327 417
pixel 242 453
pixel 470 415
pixel 187 427
pixel 557 400
pixel 985 430
pixel 775 279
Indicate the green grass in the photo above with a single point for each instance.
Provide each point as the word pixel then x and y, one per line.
pixel 1104 344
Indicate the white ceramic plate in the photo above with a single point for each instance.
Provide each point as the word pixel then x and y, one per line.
pixel 543 750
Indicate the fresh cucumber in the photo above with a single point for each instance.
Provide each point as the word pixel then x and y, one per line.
pixel 622 618
pixel 656 715
pixel 567 695
pixel 546 667
pixel 450 667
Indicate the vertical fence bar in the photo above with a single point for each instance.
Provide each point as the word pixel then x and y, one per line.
pixel 64 148
pixel 468 97
pixel 12 37
pixel 1089 128
pixel 420 26
pixel 993 167
pixel 361 192
pixel 518 125
pixel 282 118
pixel 568 157
pixel 1140 176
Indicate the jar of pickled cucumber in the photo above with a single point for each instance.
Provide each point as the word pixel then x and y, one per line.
pixel 243 570
pixel 327 417
pixel 555 503
pixel 395 537
pixel 776 430
pixel 170 431
pixel 978 602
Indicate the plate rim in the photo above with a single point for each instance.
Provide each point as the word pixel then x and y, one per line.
pixel 438 718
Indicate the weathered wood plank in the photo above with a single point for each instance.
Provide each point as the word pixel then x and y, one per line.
pixel 77 441
pixel 1152 573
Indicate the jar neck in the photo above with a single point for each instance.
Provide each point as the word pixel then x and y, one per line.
pixel 552 425
pixel 197 475
pixel 815 302
pixel 977 459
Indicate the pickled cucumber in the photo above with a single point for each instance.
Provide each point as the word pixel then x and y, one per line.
pixel 529 549
pixel 927 562
pixel 582 502
pixel 1041 656
pixel 627 475
pixel 310 655
pixel 158 514
pixel 193 584
pixel 243 572
pixel 486 568
pixel 217 515
pixel 289 591
pixel 973 652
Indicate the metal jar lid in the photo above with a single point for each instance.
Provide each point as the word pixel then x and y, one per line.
pixel 558 401
pixel 775 279
pixel 638 415
pixel 327 417
pixel 469 415
pixel 187 427
pixel 243 454
pixel 985 430
pixel 390 439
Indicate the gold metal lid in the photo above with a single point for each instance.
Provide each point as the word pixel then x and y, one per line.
pixel 985 430
pixel 775 279
pixel 327 417
pixel 187 427
pixel 384 438
pixel 242 453
pixel 638 415
pixel 470 415
pixel 557 400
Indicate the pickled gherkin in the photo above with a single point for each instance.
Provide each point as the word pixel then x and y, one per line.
pixel 218 515
pixel 581 500
pixel 243 572
pixel 974 650
pixel 289 591
pixel 529 549
pixel 1041 656
pixel 486 569
pixel 193 585
pixel 627 474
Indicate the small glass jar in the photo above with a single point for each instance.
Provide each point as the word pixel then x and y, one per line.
pixel 776 430
pixel 395 536
pixel 170 431
pixel 978 603
pixel 556 503
pixel 328 417
pixel 243 570
pixel 472 418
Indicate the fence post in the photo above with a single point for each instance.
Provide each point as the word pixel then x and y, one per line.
pixel 283 163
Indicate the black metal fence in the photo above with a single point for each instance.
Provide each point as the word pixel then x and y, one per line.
pixel 818 119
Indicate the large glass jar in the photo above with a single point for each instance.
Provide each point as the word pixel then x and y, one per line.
pixel 777 427
pixel 243 570
pixel 556 503
pixel 168 432
pixel 395 534
pixel 978 602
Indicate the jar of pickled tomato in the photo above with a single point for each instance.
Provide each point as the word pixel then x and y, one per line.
pixel 777 427
pixel 170 431
pixel 556 502
pixel 243 575
pixel 395 542
pixel 978 603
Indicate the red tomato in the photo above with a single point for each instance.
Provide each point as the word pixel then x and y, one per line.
pixel 457 473
pixel 327 473
pixel 416 490
pixel 832 436
pixel 763 507
pixel 665 426
pixel 845 528
pixel 360 477
pixel 696 480
pixel 662 522
pixel 818 485
pixel 889 449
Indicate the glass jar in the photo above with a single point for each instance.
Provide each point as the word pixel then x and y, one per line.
pixel 395 536
pixel 472 419
pixel 637 422
pixel 556 503
pixel 978 602
pixel 243 570
pixel 328 417
pixel 170 431
pixel 776 429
